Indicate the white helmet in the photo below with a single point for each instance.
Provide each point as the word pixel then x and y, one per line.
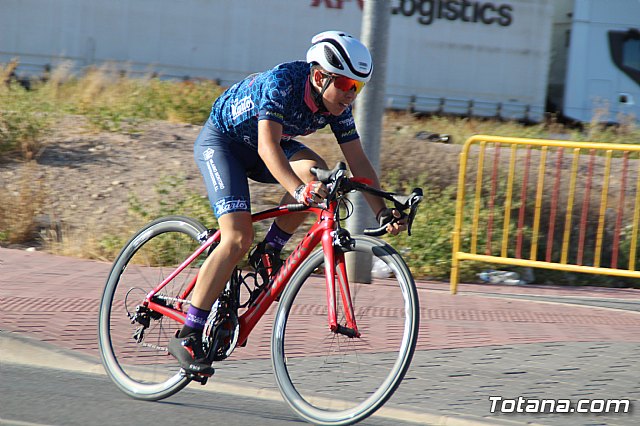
pixel 341 53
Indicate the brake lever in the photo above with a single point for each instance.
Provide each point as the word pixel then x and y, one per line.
pixel 326 176
pixel 412 215
pixel 334 185
pixel 412 201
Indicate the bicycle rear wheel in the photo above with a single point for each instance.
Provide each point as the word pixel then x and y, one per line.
pixel 329 378
pixel 140 364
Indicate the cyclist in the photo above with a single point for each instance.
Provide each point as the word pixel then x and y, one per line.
pixel 249 134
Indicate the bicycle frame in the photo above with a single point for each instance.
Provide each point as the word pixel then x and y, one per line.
pixel 321 232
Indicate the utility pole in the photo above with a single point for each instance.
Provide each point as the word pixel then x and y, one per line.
pixel 369 113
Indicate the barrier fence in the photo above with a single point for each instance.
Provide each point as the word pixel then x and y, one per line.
pixel 568 206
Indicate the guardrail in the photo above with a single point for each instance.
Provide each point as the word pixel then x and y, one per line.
pixel 569 206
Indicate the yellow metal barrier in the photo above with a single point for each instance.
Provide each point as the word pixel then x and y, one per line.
pixel 599 200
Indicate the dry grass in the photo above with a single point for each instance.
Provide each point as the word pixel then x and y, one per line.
pixel 85 243
pixel 23 118
pixel 21 206
pixel 7 71
pixel 112 101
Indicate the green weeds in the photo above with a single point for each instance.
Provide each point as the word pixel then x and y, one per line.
pixel 112 101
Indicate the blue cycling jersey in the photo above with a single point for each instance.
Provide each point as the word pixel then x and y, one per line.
pixel 282 94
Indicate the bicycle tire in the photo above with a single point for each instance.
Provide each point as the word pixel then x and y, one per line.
pixel 308 360
pixel 144 370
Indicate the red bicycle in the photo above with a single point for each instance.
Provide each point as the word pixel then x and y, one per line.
pixel 335 362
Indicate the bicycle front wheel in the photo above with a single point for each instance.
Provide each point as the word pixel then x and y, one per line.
pixel 133 340
pixel 329 378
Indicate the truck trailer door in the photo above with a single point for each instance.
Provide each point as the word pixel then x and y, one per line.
pixel 625 52
pixel 603 70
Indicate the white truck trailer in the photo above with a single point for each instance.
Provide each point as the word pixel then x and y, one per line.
pixel 595 59
pixel 504 58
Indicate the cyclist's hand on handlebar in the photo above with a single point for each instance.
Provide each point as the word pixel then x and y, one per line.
pixel 396 222
pixel 313 192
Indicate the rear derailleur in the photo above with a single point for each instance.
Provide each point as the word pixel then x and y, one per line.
pixel 143 316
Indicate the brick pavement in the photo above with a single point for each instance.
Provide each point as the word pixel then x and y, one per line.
pixel 532 341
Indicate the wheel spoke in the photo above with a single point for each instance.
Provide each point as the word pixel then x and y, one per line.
pixel 340 379
pixel 144 370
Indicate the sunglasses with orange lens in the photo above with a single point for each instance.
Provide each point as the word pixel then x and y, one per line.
pixel 345 83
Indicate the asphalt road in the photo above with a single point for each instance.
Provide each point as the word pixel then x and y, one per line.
pixel 538 342
pixel 42 396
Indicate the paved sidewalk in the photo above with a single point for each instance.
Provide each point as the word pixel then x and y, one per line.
pixel 509 341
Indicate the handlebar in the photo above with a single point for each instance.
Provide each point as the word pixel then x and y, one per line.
pixel 338 183
pixel 402 203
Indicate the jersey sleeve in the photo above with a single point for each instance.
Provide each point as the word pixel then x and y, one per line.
pixel 273 97
pixel 344 127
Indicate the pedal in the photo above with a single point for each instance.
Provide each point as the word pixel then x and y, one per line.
pixel 198 378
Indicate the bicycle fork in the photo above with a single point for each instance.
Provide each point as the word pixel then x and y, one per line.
pixel 335 266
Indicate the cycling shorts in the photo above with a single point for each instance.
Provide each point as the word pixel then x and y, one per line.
pixel 226 166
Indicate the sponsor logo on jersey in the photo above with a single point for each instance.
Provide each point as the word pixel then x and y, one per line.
pixel 286 92
pixel 347 122
pixel 274 114
pixel 349 133
pixel 240 107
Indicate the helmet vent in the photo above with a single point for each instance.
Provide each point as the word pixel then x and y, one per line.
pixel 332 58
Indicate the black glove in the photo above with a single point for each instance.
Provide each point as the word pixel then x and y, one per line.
pixel 386 216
